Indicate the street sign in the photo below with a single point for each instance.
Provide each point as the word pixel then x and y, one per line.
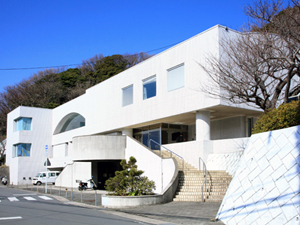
pixel 46 150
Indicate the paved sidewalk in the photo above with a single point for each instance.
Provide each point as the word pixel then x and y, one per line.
pixel 178 212
pixel 168 213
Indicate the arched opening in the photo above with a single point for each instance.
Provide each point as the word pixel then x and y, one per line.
pixel 70 122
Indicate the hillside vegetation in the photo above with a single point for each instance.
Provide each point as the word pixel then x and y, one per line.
pixel 53 87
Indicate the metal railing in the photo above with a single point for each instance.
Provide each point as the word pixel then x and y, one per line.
pixel 205 174
pixel 167 150
pixel 91 197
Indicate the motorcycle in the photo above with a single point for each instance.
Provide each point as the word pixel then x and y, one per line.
pixel 4 180
pixel 86 184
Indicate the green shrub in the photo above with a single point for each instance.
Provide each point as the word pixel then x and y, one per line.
pixel 129 181
pixel 286 115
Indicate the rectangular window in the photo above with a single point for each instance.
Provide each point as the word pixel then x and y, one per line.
pixel 149 87
pixel 21 150
pixel 176 78
pixel 23 123
pixel 127 95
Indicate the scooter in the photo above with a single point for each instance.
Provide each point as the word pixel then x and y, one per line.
pixel 87 184
pixel 4 180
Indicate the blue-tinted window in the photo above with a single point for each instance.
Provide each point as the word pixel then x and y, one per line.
pixel 21 150
pixel 23 123
pixel 149 87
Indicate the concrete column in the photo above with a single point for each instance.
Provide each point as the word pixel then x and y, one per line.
pixel 203 125
pixel 127 131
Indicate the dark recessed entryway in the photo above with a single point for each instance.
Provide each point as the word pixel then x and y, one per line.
pixel 103 170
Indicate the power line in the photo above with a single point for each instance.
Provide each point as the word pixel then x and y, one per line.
pixel 39 67
pixel 44 67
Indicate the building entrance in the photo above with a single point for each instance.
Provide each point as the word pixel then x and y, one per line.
pixel 161 133
pixel 106 170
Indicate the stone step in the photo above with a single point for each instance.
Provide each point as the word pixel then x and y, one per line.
pixel 203 178
pixel 199 198
pixel 190 186
pixel 199 183
pixel 200 193
pixel 200 190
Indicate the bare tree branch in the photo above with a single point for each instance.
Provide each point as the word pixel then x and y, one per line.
pixel 261 66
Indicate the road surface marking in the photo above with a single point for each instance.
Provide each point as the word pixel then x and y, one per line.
pixel 30 198
pixel 45 198
pixel 11 218
pixel 13 199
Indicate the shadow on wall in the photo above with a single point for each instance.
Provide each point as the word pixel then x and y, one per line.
pixel 266 186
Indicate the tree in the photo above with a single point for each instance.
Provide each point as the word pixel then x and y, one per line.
pixel 261 64
pixel 2 150
pixel 129 181
pixel 53 87
pixel 286 115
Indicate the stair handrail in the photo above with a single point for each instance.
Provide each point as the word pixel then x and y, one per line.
pixel 169 151
pixel 205 174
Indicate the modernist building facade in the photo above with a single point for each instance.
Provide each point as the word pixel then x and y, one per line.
pixel 157 102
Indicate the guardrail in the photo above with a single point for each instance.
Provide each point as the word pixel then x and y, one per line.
pixel 205 174
pixel 91 197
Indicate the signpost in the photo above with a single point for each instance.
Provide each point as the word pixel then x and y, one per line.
pixel 46 154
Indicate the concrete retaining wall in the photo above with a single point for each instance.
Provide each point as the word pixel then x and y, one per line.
pixel 266 185
pixel 72 172
pixel 95 147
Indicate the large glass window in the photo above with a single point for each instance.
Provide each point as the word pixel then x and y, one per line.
pixel 149 87
pixel 23 123
pixel 73 122
pixel 21 150
pixel 127 95
pixel 176 78
pixel 70 122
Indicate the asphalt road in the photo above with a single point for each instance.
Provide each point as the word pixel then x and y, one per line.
pixel 23 207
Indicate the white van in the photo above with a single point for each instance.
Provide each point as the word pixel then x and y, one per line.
pixel 40 178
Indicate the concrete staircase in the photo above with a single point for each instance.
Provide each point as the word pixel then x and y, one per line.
pixel 191 181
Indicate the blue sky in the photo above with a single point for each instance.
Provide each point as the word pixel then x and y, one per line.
pixel 40 33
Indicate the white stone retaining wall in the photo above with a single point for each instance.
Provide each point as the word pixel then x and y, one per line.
pixel 266 185
pixel 227 161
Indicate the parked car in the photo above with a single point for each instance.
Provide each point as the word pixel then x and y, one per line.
pixel 40 178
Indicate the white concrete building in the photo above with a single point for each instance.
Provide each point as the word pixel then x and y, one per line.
pixel 157 99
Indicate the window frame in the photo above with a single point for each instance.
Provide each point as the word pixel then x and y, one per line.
pixel 147 81
pixel 18 121
pixel 16 150
pixel 124 96
pixel 174 78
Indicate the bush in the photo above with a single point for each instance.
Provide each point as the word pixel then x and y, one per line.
pixel 286 115
pixel 129 181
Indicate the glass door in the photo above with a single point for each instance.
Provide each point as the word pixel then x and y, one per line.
pixel 154 135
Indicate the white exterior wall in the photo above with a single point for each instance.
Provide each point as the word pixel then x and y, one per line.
pixel 234 127
pixel 39 136
pixel 161 171
pixel 99 147
pixel 102 104
pixel 72 172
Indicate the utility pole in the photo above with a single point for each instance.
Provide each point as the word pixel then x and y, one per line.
pixel 46 153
